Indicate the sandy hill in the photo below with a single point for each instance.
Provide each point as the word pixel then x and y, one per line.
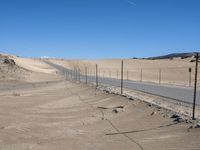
pixel 173 71
pixel 9 70
pixel 169 71
pixel 175 55
pixel 14 68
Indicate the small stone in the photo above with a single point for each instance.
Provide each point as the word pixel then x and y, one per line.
pixel 188 121
pixel 120 107
pixel 167 115
pixel 197 125
pixel 131 98
pixel 153 113
pixel 178 120
pixel 190 127
pixel 115 110
pixel 175 116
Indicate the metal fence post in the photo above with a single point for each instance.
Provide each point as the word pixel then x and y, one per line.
pixel 195 85
pixel 66 74
pixel 99 73
pixel 127 74
pixel 74 74
pixel 160 72
pixel 86 75
pixel 141 76
pixel 122 73
pixel 79 75
pixel 96 75
pixel 190 76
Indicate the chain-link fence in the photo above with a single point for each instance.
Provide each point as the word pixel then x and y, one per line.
pixel 175 83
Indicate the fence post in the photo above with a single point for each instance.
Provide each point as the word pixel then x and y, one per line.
pixel 122 73
pixel 74 74
pixel 71 71
pixel 99 76
pixel 127 74
pixel 160 73
pixel 141 76
pixel 79 75
pixel 190 76
pixel 66 71
pixel 195 85
pixel 96 75
pixel 86 75
pixel 99 73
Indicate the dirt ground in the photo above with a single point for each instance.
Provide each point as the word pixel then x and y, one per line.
pixel 66 115
pixel 41 110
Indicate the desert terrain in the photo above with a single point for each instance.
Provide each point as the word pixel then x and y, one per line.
pixel 41 109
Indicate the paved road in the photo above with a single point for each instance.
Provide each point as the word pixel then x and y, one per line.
pixel 184 94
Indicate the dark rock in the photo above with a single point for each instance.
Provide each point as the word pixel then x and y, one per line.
pixel 197 125
pixel 131 98
pixel 194 60
pixel 178 120
pixel 9 61
pixel 175 116
pixel 117 110
pixel 119 107
pixel 100 107
pixel 188 121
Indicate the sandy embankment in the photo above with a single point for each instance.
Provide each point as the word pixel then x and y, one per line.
pixel 64 115
pixel 40 70
pixel 25 70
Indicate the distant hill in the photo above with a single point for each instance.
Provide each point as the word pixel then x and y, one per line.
pixel 174 55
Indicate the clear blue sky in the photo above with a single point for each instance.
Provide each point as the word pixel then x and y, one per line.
pixel 99 28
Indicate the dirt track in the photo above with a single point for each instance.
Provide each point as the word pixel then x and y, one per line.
pixel 65 115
